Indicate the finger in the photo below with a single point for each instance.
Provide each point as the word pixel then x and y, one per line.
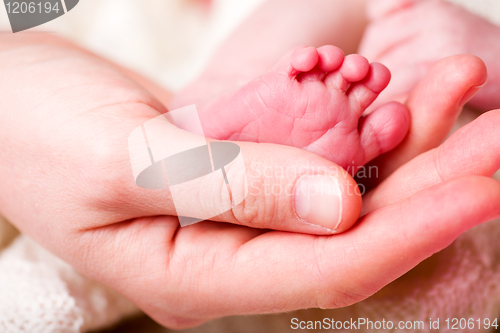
pixel 434 106
pixel 383 129
pixel 204 271
pixel 257 185
pixel 331 272
pixel 472 150
pixel 403 80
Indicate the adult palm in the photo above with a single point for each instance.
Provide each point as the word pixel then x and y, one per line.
pixel 67 182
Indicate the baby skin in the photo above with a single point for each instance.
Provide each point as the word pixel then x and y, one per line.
pixel 313 98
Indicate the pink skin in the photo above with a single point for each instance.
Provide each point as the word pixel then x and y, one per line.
pixel 429 128
pixel 409 36
pixel 66 182
pixel 313 99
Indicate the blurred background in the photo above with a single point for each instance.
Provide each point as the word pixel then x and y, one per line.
pixel 167 40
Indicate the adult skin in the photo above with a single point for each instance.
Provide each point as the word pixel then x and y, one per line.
pixel 66 182
pixel 409 37
pixel 342 23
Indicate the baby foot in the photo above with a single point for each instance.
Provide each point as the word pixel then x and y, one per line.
pixel 313 99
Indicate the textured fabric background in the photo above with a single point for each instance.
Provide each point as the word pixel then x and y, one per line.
pixel 170 41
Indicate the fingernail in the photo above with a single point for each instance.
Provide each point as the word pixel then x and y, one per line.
pixel 469 94
pixel 318 201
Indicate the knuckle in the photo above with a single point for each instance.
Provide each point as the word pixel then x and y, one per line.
pixel 261 206
pixel 247 212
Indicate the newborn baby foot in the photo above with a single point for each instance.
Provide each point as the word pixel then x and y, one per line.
pixel 313 99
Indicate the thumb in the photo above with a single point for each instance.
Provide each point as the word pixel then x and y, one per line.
pixel 258 185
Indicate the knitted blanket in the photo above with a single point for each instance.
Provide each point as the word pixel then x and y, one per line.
pixel 41 293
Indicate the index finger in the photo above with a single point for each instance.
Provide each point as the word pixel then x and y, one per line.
pixel 434 106
pixel 472 150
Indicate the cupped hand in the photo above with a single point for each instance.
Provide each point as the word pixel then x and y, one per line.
pixel 210 269
pixel 67 182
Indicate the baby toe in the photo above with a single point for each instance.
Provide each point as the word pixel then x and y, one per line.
pixel 304 59
pixel 383 129
pixel 363 93
pixel 330 58
pixel 301 59
pixel 354 68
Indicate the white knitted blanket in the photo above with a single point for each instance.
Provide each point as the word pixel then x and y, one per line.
pixel 41 293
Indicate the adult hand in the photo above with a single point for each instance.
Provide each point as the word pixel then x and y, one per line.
pixel 65 122
pixel 66 182
pixel 434 104
pixel 472 150
pixel 410 36
pixel 198 273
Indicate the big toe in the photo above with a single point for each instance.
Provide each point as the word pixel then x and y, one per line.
pixel 383 129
